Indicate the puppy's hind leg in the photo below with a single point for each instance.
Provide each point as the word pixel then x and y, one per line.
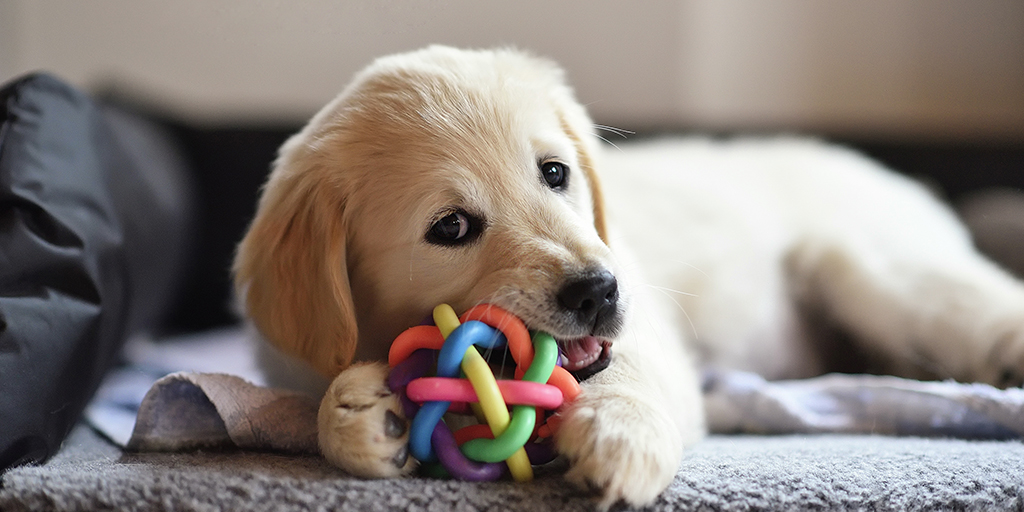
pixel 925 307
pixel 361 426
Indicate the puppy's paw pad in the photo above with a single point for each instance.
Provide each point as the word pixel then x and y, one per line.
pixel 361 427
pixel 395 426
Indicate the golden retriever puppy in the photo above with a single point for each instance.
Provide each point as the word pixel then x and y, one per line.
pixel 465 177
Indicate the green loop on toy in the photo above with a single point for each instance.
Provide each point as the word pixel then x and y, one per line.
pixel 545 350
pixel 524 417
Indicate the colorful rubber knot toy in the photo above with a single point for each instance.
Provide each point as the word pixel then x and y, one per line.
pixel 481 452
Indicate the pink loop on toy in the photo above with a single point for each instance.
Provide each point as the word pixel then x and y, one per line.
pixel 413 338
pixel 514 392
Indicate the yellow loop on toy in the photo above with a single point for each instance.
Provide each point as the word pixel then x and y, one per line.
pixel 482 378
pixel 522 352
pixel 487 392
pixel 445 319
pixel 494 409
pixel 519 466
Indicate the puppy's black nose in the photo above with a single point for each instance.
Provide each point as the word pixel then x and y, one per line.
pixel 590 299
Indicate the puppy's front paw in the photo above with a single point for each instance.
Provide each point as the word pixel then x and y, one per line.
pixel 621 445
pixel 361 426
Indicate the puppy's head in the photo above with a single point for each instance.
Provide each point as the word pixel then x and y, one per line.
pixel 437 176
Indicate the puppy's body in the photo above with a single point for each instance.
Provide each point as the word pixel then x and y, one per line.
pixel 760 241
pixel 469 177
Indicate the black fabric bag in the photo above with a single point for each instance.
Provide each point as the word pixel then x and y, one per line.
pixel 94 218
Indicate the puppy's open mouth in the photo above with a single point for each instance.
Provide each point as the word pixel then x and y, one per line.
pixel 585 357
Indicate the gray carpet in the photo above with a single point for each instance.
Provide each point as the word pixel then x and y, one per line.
pixel 828 472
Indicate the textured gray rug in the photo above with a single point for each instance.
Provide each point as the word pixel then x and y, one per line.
pixel 827 472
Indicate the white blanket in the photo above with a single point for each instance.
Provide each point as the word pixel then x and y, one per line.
pixel 739 402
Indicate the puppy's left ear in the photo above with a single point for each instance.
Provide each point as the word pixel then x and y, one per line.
pixel 585 153
pixel 291 267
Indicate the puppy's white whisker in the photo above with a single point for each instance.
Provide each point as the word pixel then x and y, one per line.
pixel 691 266
pixel 681 308
pixel 612 144
pixel 662 288
pixel 617 131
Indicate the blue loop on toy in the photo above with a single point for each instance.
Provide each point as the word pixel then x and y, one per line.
pixel 422 428
pixel 464 336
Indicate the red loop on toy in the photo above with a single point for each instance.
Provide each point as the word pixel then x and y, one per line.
pixel 413 339
pixel 471 432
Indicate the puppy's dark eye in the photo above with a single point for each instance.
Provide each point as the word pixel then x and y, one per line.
pixel 555 174
pixel 457 227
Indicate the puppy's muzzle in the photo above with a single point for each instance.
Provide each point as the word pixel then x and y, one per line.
pixel 592 301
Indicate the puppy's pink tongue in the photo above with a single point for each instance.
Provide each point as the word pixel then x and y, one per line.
pixel 580 353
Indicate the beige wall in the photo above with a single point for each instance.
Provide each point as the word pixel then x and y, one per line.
pixel 953 67
pixel 938 68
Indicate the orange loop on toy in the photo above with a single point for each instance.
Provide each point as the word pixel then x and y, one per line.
pixel 563 380
pixel 413 339
pixel 519 343
pixel 549 428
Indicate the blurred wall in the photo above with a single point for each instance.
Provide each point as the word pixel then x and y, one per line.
pixel 905 68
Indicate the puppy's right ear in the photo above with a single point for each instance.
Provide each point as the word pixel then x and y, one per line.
pixel 290 269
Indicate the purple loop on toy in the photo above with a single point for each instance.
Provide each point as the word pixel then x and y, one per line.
pixel 457 464
pixel 415 366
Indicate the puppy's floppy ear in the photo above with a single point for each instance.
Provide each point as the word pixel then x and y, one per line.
pixel 291 266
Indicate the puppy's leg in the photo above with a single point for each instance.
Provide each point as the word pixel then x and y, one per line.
pixel 361 426
pixel 930 308
pixel 626 432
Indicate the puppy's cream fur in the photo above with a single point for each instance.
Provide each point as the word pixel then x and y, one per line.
pixel 725 249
